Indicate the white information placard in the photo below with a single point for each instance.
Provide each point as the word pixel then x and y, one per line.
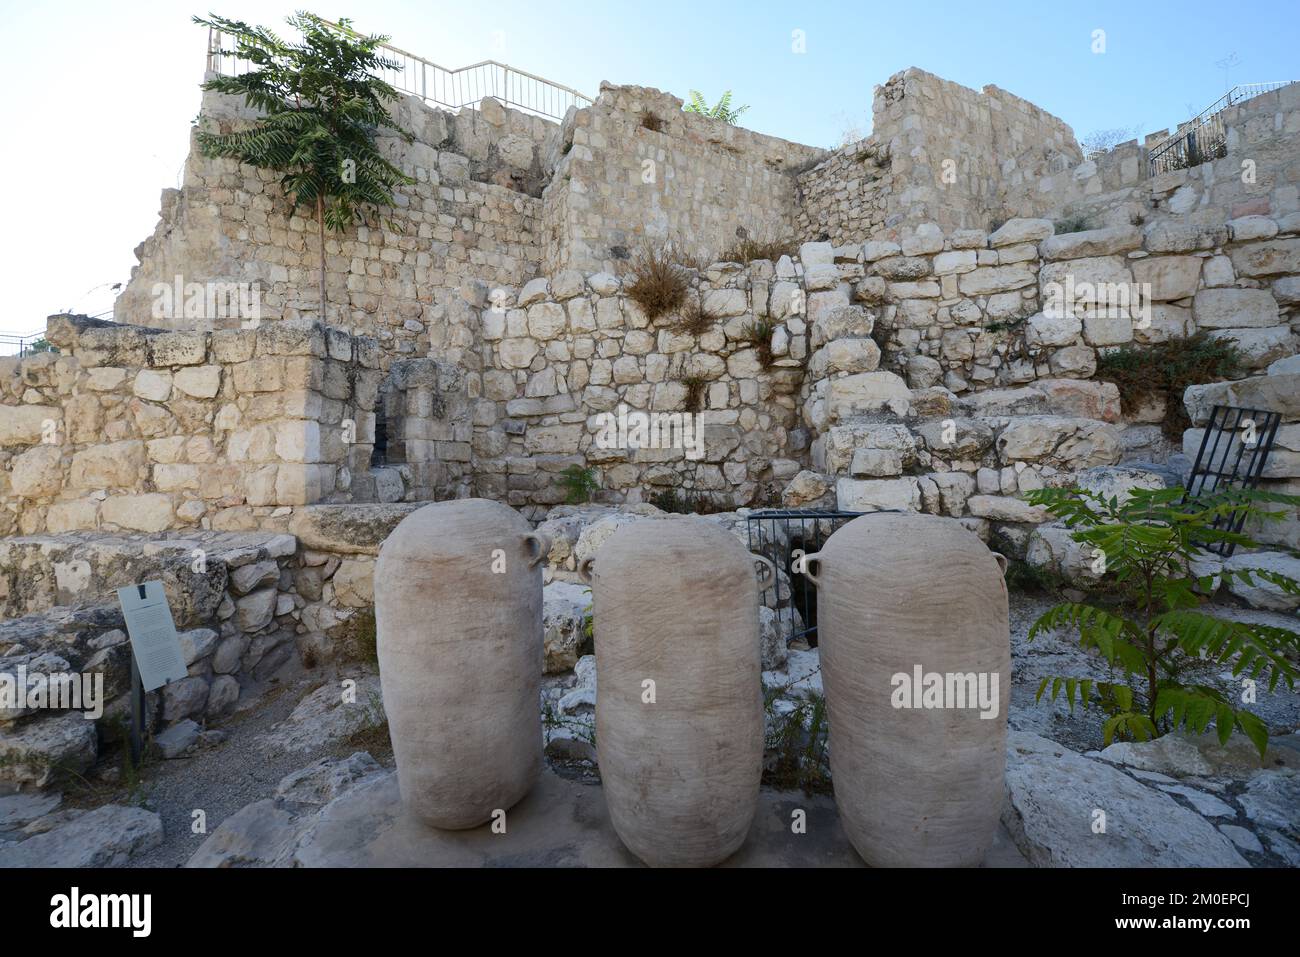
pixel 154 642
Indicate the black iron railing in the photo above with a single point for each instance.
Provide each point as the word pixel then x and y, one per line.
pixel 1232 456
pixel 1204 137
pixel 785 536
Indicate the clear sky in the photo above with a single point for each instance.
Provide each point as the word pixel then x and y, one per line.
pixel 99 95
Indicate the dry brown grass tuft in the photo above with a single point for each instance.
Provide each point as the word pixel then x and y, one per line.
pixel 661 282
pixel 696 386
pixel 695 319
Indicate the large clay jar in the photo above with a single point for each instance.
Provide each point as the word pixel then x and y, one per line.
pixel 675 603
pixel 917 769
pixel 458 615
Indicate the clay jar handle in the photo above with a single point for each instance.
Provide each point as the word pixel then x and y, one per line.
pixel 538 545
pixel 766 570
pixel 586 569
pixel 807 561
pixel 1002 562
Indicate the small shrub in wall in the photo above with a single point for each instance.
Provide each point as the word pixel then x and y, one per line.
pixel 580 485
pixel 1165 370
pixel 660 282
pixel 759 333
pixel 722 110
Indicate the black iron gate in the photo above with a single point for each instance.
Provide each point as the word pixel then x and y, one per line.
pixel 784 536
pixel 1233 451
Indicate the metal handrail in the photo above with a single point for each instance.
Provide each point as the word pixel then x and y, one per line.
pixel 1203 135
pixel 452 89
pixel 23 342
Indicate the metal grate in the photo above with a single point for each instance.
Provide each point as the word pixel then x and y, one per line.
pixel 1231 456
pixel 783 535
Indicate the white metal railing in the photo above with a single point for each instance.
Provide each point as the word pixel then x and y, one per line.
pixel 452 89
pixel 1203 136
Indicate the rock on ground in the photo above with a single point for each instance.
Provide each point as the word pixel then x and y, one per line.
pixel 329 715
pixel 1054 800
pixel 105 837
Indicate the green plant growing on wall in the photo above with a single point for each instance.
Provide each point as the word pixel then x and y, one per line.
pixel 321 106
pixel 1165 370
pixel 580 484
pixel 1149 546
pixel 759 333
pixel 722 110
pixel 1072 224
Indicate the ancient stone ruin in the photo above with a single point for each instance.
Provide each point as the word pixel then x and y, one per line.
pixel 894 348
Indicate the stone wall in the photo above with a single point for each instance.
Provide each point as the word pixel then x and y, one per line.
pixel 474 211
pixel 232 599
pixel 1260 175
pixel 560 352
pixel 636 168
pixel 983 394
pixel 135 429
pixel 966 309
pixel 938 152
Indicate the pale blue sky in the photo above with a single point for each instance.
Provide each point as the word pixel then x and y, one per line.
pixel 101 95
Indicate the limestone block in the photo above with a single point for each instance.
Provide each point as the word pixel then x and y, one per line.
pixel 821 277
pixel 999 508
pixel 852 355
pixel 1107 330
pixel 518 353
pixel 876 495
pixel 957 261
pixel 546 320
pixel 1021 231
pixel 1092 242
pixel 29 424
pixel 1261 593
pixel 1260 347
pixel 114 465
pixel 1055 330
pixel 867 392
pixel 201 382
pixel 991 279
pixel 1273 258
pixel 37 473
pixel 177 348
pixel 1232 308
pixel 926 239
pixel 152 385
pixel 726 303
pixel 1170 277
pixel 1092 271
pixel 150 512
pixel 816 254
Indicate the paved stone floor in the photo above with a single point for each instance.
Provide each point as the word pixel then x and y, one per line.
pixel 564 823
